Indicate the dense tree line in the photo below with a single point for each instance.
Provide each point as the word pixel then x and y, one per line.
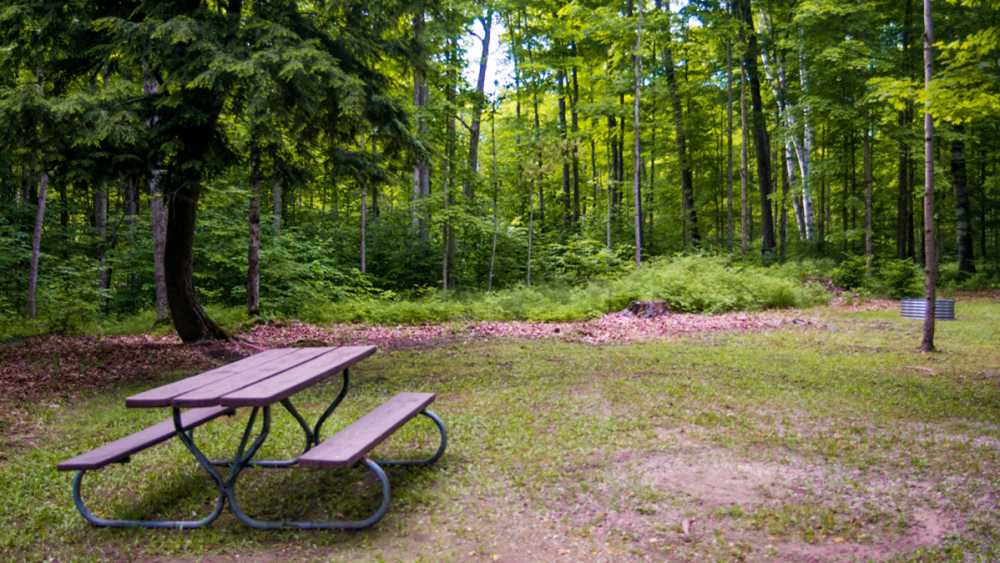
pixel 270 153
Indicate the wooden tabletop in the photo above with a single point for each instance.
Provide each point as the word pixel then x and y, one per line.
pixel 259 380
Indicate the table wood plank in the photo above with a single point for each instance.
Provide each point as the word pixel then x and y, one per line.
pixel 161 396
pixel 134 443
pixel 210 394
pixel 349 445
pixel 286 384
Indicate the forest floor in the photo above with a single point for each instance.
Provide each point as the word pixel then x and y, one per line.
pixel 794 435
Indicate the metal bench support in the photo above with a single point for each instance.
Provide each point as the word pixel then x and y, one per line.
pixel 95 520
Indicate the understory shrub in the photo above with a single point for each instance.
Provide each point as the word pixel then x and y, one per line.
pixel 707 284
pixel 890 277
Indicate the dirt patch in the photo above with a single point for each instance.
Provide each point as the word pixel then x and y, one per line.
pixel 712 483
pixel 700 501
pixel 928 529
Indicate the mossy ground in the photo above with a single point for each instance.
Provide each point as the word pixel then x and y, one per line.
pixel 836 441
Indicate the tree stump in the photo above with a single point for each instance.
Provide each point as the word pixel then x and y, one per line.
pixel 648 309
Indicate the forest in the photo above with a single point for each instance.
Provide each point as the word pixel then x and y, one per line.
pixel 174 160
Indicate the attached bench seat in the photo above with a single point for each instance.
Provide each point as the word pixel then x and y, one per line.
pixel 347 447
pixel 122 448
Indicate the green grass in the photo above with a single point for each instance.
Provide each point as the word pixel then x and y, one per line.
pixel 563 450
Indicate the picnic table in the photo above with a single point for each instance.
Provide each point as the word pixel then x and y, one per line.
pixel 260 382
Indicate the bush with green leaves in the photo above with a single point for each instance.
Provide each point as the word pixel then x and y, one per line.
pixel 578 260
pixel 69 297
pixel 707 284
pixel 714 284
pixel 896 278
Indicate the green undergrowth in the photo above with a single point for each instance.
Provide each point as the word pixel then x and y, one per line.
pixel 688 284
pixel 564 450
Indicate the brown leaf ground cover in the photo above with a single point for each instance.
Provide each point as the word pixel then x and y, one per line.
pixel 42 365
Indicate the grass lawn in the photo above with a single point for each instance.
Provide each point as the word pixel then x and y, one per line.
pixel 829 441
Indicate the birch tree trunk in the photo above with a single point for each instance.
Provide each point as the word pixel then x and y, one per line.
pixel 805 157
pixel 783 211
pixel 779 87
pixel 36 246
pixel 930 244
pixel 253 248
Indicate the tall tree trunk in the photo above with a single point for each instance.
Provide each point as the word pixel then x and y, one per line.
pixel 158 219
pixel 869 186
pixel 613 180
pixel 904 199
pixel 421 170
pixel 451 142
pixel 564 134
pixel 687 175
pixel 760 130
pixel 984 202
pixel 805 158
pixel 650 191
pixel 253 248
pixel 595 179
pixel 621 156
pixel 36 246
pixel 636 122
pixel 496 190
pixel 515 56
pixel 930 244
pixel 477 105
pixel 963 227
pixel 538 147
pixel 783 212
pixel 189 318
pixel 744 172
pixel 610 153
pixel 730 223
pixel 823 218
pixel 574 100
pixel 786 116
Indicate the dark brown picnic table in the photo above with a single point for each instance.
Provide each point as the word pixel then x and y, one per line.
pixel 259 382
